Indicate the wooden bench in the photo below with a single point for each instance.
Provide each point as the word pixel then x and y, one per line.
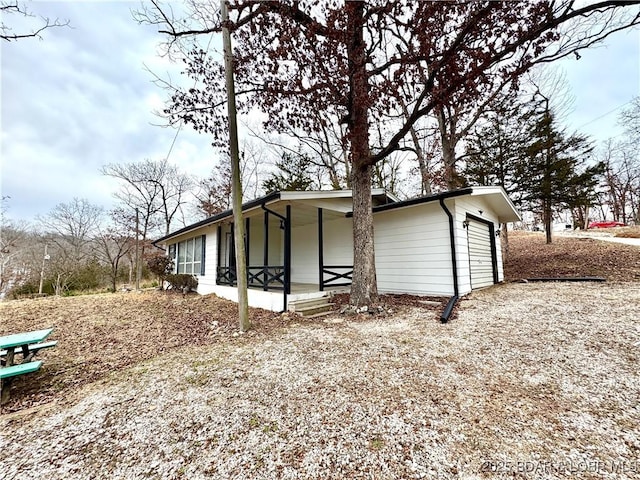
pixel 19 369
pixel 33 348
pixel 8 373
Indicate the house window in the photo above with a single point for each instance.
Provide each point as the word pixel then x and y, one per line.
pixel 190 255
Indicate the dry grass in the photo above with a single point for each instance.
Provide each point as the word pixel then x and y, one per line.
pixel 628 232
pixel 535 377
pixel 101 334
pixel 528 373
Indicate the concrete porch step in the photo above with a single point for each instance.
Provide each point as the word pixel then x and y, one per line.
pixel 311 306
pixel 314 309
pixel 318 315
pixel 296 305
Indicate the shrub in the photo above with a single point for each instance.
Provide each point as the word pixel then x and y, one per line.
pixel 182 281
pixel 89 277
pixel 160 265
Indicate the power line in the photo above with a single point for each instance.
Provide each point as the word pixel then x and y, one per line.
pixel 604 114
pixel 195 81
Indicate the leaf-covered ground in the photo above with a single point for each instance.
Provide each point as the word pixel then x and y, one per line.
pixel 535 380
pixel 530 257
pixel 627 232
pixel 100 334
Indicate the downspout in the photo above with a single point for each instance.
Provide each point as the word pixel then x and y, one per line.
pixel 454 264
pixel 286 280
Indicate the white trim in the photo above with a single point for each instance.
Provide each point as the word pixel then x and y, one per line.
pixel 508 214
pixel 322 194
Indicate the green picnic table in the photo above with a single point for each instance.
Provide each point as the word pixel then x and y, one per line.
pixel 28 344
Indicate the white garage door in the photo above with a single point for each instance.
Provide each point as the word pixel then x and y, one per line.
pixel 480 258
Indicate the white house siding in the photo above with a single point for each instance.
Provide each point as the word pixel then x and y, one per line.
pixel 413 250
pixel 273 301
pixel 304 254
pixel 473 206
pixel 207 282
pixel 276 243
pixel 256 240
pixel 337 242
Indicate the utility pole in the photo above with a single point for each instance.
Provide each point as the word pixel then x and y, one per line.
pixel 137 250
pixel 236 186
pixel 44 259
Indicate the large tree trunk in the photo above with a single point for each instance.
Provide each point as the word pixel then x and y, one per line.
pixel 364 289
pixel 448 142
pixel 425 174
pixel 547 217
pixel 504 241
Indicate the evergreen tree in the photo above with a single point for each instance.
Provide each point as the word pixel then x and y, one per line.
pixel 555 172
pixel 293 174
pixel 495 150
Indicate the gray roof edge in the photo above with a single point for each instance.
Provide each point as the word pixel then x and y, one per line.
pixel 220 216
pixel 419 200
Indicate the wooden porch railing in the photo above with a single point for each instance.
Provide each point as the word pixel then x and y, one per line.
pixel 267 277
pixel 226 276
pixel 340 276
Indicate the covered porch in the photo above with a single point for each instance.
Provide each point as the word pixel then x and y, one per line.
pixel 294 250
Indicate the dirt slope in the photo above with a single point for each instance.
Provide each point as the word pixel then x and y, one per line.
pixel 529 256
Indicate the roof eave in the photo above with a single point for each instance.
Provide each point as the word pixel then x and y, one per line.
pixel 220 216
pixel 419 200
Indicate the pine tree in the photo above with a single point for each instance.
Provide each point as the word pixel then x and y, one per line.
pixel 495 150
pixel 292 174
pixel 555 173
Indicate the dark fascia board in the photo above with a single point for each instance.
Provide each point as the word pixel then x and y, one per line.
pixel 220 216
pixel 419 200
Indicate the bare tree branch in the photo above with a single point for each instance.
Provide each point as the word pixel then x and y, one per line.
pixel 14 7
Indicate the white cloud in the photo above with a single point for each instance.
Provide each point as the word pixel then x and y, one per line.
pixel 78 100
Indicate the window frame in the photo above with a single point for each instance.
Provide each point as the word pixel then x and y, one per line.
pixel 189 256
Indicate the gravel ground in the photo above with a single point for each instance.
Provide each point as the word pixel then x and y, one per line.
pixel 533 381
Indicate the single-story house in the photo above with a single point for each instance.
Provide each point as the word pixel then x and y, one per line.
pixel 299 245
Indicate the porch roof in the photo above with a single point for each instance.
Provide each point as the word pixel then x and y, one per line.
pixel 495 196
pixel 337 200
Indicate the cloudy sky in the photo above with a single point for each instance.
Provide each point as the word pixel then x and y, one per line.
pixel 81 98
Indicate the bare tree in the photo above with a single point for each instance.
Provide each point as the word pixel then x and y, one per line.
pixel 14 7
pixel 114 243
pixel 74 225
pixel 214 193
pixel 253 168
pixel 630 119
pixel 622 180
pixel 323 147
pixel 156 188
pixel 70 229
pixel 13 236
